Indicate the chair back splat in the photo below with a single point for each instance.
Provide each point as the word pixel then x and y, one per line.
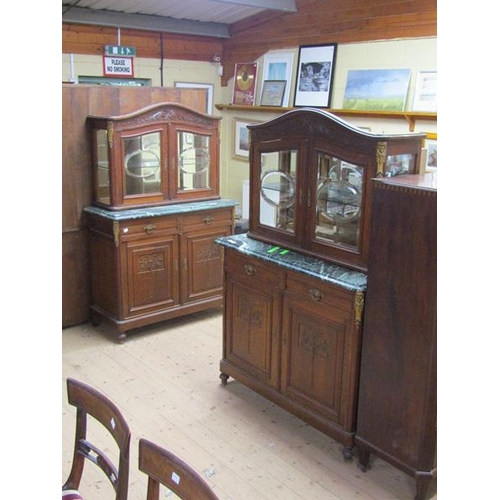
pixel 163 467
pixel 90 402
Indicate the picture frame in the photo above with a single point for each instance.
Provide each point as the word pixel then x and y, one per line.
pixel 376 89
pixel 430 145
pixel 425 98
pixel 241 138
pixel 315 70
pixel 273 92
pixel 279 66
pixel 245 79
pixel 210 92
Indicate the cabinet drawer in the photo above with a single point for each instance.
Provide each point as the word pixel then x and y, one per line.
pixel 147 227
pixel 256 272
pixel 315 291
pixel 207 218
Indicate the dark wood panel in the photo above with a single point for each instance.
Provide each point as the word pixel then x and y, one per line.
pixel 75 278
pixel 79 101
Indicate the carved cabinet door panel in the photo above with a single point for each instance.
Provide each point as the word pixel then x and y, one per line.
pixel 313 359
pixel 201 262
pixel 152 277
pixel 252 318
pixel 320 349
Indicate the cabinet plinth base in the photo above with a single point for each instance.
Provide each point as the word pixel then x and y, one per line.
pixel 422 477
pixel 122 327
pixel 322 424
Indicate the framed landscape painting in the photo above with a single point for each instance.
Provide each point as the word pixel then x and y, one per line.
pixel 377 89
pixel 273 92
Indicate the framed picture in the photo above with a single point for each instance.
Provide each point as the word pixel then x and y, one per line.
pixel 425 98
pixel 245 76
pixel 431 146
pixel 279 66
pixel 315 75
pixel 273 92
pixel 241 137
pixel 376 89
pixel 210 92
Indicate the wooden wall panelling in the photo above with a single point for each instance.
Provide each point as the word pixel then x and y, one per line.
pixel 79 101
pixel 84 39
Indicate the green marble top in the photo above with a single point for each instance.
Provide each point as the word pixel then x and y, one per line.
pixel 325 271
pixel 177 208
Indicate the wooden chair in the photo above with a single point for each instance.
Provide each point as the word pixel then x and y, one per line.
pixel 89 401
pixel 163 467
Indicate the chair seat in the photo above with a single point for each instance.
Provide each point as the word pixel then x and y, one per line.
pixel 71 495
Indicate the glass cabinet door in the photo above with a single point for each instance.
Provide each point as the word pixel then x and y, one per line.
pixel 339 197
pixel 278 190
pixel 193 161
pixel 142 164
pixel 101 167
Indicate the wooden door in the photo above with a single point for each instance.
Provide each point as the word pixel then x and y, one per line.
pixel 202 264
pixel 320 345
pixel 252 318
pixel 152 275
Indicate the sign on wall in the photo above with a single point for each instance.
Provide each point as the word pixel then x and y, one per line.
pixel 118 66
pixel 119 50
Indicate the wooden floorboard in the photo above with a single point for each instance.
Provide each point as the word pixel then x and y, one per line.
pixel 165 379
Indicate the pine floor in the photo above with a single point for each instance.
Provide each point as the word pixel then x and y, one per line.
pixel 165 379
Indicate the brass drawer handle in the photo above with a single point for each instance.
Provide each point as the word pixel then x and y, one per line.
pixel 208 220
pixel 249 269
pixel 149 228
pixel 315 294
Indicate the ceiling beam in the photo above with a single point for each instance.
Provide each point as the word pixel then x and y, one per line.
pixel 145 22
pixel 281 5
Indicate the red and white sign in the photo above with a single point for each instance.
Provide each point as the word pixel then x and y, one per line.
pixel 118 66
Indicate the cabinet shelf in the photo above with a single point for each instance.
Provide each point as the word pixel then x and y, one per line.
pixel 410 116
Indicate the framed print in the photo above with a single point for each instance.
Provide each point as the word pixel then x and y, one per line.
pixel 432 154
pixel 425 98
pixel 245 76
pixel 315 75
pixel 241 138
pixel 210 92
pixel 273 92
pixel 376 89
pixel 279 66
pixel 428 160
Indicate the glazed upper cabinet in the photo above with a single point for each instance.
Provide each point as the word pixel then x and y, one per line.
pixel 165 153
pixel 310 182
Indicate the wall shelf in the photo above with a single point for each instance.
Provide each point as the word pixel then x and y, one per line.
pixel 410 116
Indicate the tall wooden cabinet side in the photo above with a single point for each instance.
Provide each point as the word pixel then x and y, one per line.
pixel 397 387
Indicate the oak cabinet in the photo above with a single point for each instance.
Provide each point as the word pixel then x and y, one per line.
pixel 155 216
pixel 310 186
pixel 293 334
pixel 397 388
pixel 149 265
